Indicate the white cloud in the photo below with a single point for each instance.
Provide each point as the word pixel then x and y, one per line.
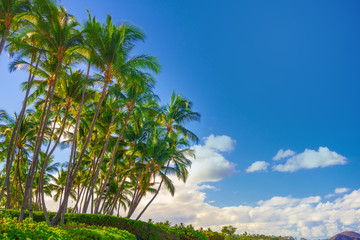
pixel 283 154
pixel 341 190
pixel 257 166
pixel 307 217
pixel 338 191
pixel 209 165
pixel 220 143
pixel 311 159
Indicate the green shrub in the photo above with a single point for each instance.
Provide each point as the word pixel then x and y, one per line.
pixel 100 233
pixel 189 234
pixel 141 230
pixel 10 228
pixel 214 235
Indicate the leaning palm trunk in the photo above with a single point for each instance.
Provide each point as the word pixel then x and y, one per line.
pixel 107 193
pixel 41 180
pixel 73 146
pixel 155 195
pixel 96 174
pixel 77 166
pixel 3 40
pixel 31 174
pixel 152 199
pixel 74 143
pixel 135 195
pixel 136 200
pixel 112 160
pixel 15 134
pixel 110 208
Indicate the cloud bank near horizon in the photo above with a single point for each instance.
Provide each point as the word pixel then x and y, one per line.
pixel 309 217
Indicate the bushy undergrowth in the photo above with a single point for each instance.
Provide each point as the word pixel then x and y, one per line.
pixel 96 226
pixel 141 230
pixel 11 228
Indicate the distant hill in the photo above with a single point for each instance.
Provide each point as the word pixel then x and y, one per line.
pixel 346 236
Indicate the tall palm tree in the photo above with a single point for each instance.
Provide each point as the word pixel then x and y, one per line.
pixel 57 31
pixel 178 112
pixel 110 49
pixel 138 88
pixel 24 46
pixel 24 146
pixel 11 12
pixel 178 153
pixel 68 92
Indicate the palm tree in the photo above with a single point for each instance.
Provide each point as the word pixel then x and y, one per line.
pixel 56 30
pixel 177 152
pixel 24 146
pixel 11 12
pixel 110 47
pixel 47 186
pixel 67 94
pixel 24 45
pixel 178 112
pixel 138 89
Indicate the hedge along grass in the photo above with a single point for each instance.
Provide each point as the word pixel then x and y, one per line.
pixel 142 230
pixel 28 229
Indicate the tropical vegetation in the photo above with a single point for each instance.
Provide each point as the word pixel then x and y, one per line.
pixel 86 90
pixel 141 230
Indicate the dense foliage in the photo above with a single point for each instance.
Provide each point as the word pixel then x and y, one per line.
pixel 28 229
pixel 141 230
pixel 86 91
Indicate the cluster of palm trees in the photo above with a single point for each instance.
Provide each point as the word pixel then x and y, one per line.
pixel 123 144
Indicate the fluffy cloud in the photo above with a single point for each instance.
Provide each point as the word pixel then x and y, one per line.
pixel 257 166
pixel 210 165
pixel 341 190
pixel 338 191
pixel 283 154
pixel 220 143
pixel 308 217
pixel 311 159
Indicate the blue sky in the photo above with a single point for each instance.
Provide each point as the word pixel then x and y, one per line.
pixel 270 75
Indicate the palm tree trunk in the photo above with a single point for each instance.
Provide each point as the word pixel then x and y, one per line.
pixel 16 130
pixel 3 40
pixel 42 173
pixel 152 199
pixel 134 196
pixel 30 177
pixel 91 173
pixel 157 192
pixel 69 184
pixel 27 183
pixel 135 204
pixel 107 193
pixel 71 171
pixel 52 133
pixel 73 146
pixel 113 159
pixel 111 206
pixel 96 175
pixel 78 201
pixel 14 178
